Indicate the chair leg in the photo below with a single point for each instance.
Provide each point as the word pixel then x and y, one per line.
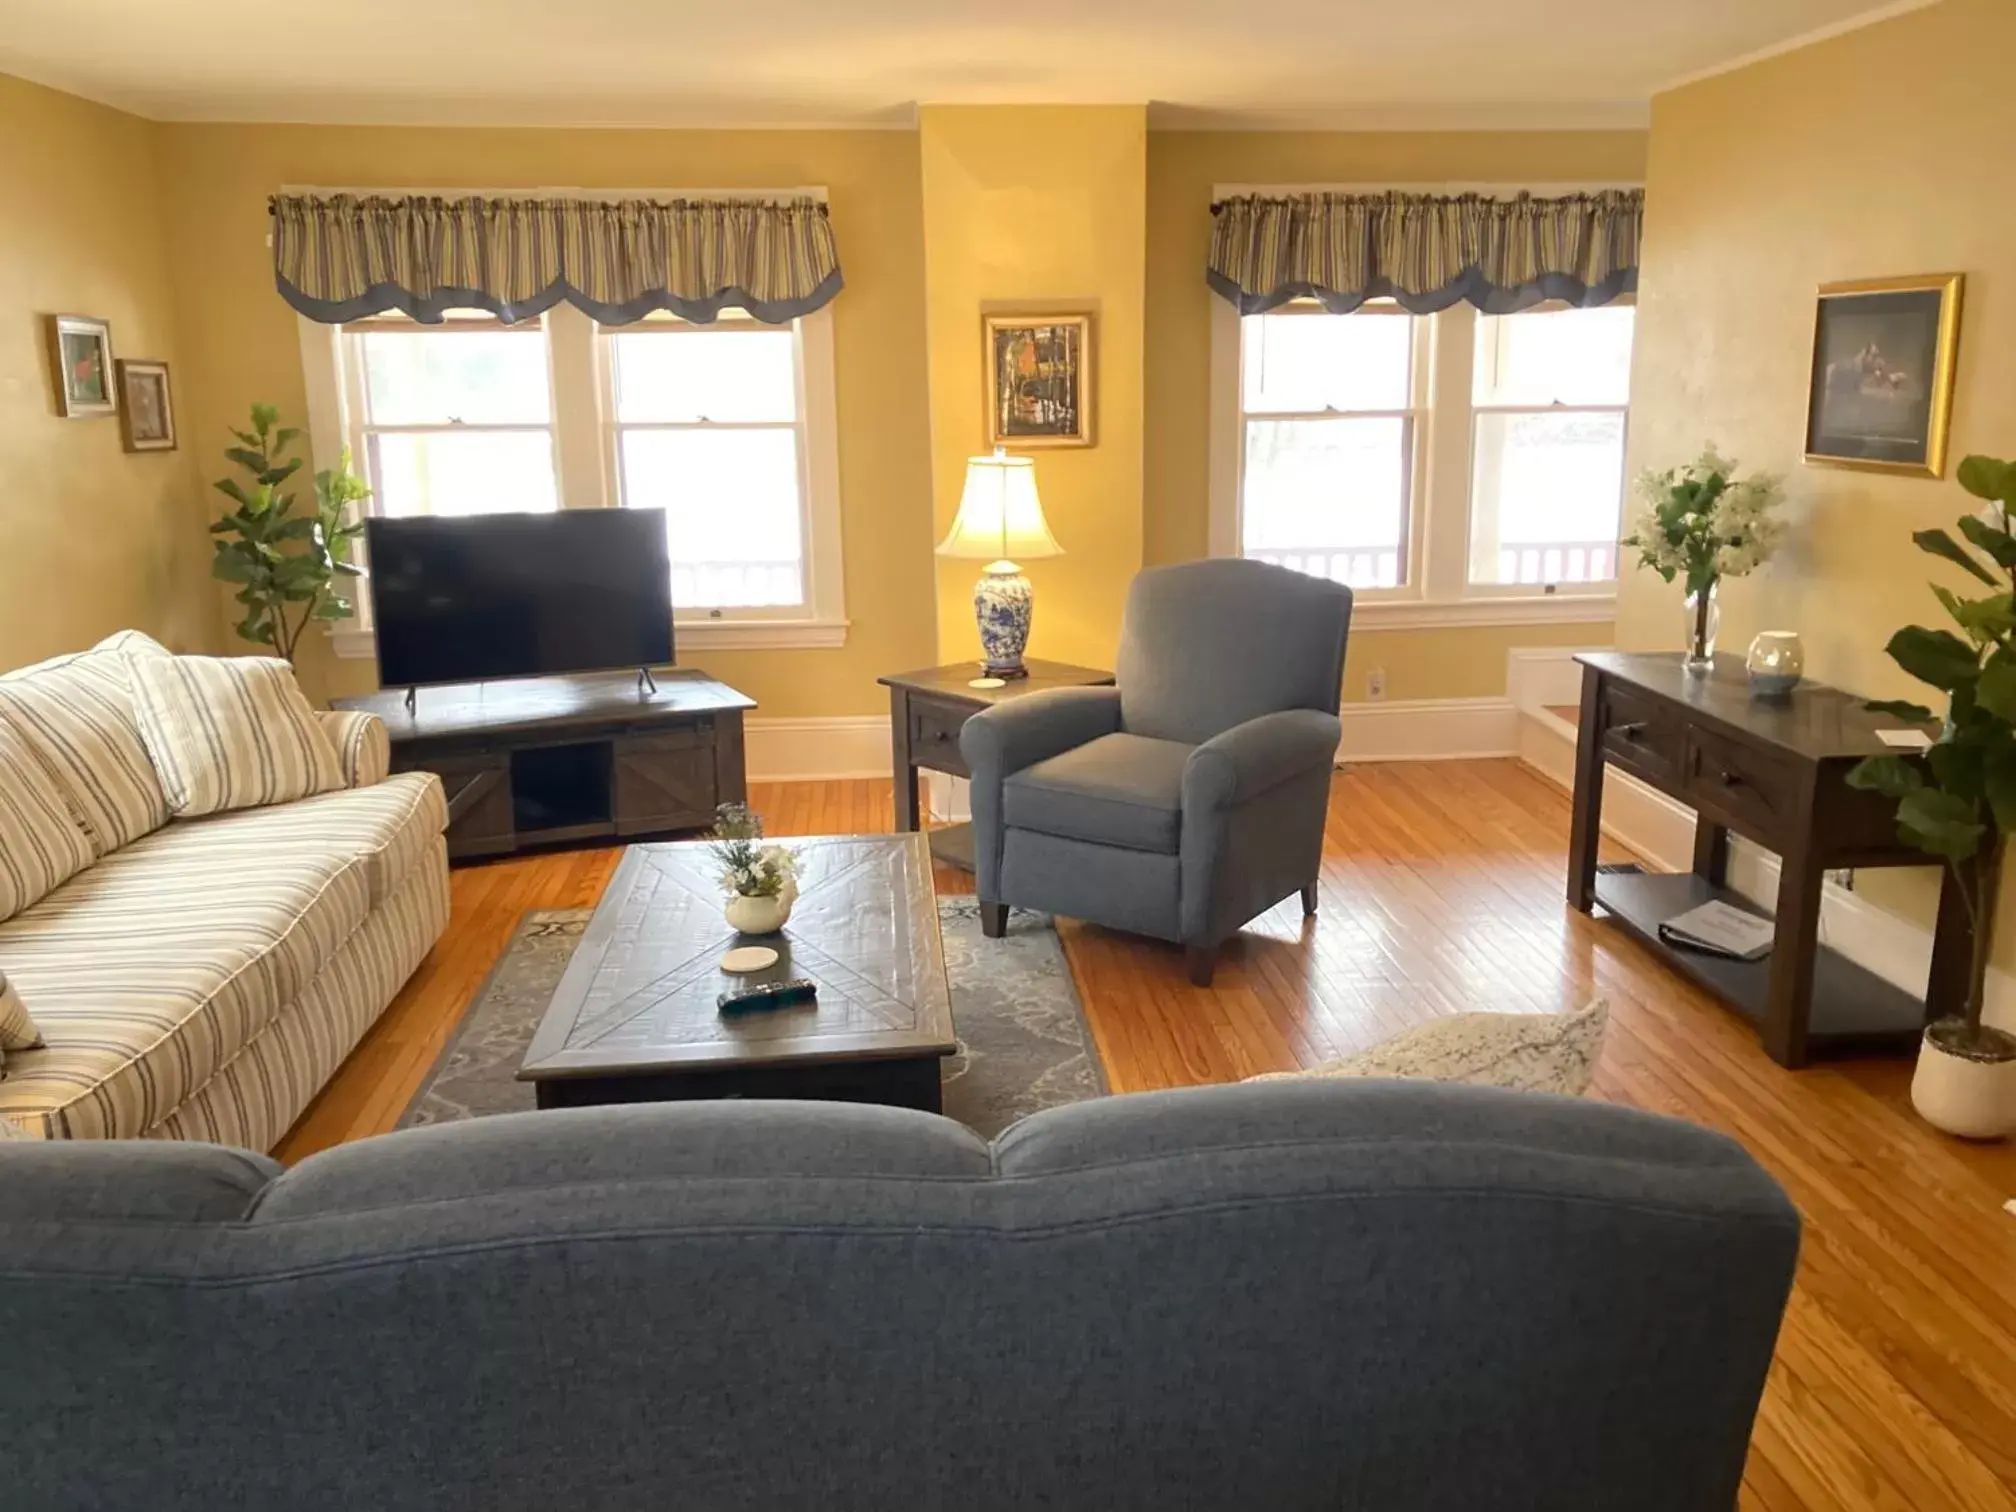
pixel 993 919
pixel 1203 961
pixel 1309 901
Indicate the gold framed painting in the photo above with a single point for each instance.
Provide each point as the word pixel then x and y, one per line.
pixel 146 411
pixel 1881 385
pixel 80 358
pixel 1039 380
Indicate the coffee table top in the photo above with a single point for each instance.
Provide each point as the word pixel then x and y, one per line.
pixel 639 995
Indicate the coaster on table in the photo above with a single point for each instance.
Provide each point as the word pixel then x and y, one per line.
pixel 748 958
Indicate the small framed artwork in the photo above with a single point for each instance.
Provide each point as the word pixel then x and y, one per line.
pixel 146 412
pixel 1881 395
pixel 80 354
pixel 1039 380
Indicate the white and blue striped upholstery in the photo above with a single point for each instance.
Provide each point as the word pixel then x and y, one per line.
pixel 163 965
pixel 230 732
pixel 76 714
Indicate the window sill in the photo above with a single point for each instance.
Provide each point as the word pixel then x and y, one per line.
pixel 1452 614
pixel 357 643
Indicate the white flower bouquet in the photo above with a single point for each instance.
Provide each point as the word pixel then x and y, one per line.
pixel 1702 523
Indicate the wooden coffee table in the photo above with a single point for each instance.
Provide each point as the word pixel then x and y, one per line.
pixel 634 1019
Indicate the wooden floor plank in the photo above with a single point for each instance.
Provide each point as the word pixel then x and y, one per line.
pixel 1442 892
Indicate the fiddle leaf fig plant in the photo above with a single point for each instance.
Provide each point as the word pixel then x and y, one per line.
pixel 290 564
pixel 1958 803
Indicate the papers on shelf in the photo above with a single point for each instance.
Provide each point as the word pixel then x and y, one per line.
pixel 1718 929
pixel 1905 740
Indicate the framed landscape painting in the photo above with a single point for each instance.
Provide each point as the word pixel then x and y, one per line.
pixel 1881 393
pixel 80 355
pixel 146 413
pixel 1039 380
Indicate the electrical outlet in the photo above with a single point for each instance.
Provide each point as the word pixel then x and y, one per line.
pixel 1375 684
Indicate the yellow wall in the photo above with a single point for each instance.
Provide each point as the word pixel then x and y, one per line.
pixel 1183 169
pixel 1034 208
pixel 92 538
pixel 1763 184
pixel 241 341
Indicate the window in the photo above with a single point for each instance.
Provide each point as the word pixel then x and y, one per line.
pixel 454 419
pixel 1452 468
pixel 728 427
pixel 1328 419
pixel 1547 446
pixel 707 424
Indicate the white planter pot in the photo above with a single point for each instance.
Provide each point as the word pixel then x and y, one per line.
pixel 1974 1099
pixel 760 916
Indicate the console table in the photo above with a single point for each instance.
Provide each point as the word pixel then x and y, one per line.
pixel 928 709
pixel 559 760
pixel 1774 772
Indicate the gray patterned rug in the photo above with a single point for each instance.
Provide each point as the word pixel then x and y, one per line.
pixel 1023 1045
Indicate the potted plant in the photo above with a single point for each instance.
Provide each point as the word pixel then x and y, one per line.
pixel 1958 802
pixel 1701 522
pixel 761 881
pixel 286 565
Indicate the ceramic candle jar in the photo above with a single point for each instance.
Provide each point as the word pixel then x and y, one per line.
pixel 1776 662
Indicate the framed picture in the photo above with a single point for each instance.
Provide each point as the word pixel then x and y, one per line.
pixel 1039 380
pixel 1881 392
pixel 80 355
pixel 146 413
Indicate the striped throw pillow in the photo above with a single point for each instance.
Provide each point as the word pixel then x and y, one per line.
pixel 230 732
pixel 17 1030
pixel 77 714
pixel 42 840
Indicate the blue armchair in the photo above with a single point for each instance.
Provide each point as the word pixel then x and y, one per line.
pixel 1191 796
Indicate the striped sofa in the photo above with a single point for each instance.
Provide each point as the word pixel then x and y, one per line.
pixel 202 978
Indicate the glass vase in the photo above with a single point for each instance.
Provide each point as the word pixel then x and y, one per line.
pixel 1704 618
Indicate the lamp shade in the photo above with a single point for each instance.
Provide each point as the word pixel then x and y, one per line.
pixel 1000 516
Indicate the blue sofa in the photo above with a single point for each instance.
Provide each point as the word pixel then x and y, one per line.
pixel 1373 1295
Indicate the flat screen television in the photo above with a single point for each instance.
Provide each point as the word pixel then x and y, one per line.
pixel 519 595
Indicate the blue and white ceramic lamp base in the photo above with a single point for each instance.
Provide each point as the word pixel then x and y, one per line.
pixel 1002 604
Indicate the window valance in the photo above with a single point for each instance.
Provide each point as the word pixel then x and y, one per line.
pixel 1425 251
pixel 341 257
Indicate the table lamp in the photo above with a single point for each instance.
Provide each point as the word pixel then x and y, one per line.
pixel 1000 519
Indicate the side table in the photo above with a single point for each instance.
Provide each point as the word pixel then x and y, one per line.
pixel 927 709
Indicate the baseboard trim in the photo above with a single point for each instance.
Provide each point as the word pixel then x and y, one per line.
pixel 817 749
pixel 1428 729
pixel 1662 831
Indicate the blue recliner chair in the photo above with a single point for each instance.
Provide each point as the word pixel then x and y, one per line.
pixel 1191 796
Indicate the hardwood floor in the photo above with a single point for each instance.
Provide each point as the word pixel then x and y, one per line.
pixel 1895 1381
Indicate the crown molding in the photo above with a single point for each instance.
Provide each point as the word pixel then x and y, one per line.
pixel 1818 34
pixel 1614 115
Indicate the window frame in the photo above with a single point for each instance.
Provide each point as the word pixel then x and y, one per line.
pixel 1414 421
pixel 586 464
pixel 1437 592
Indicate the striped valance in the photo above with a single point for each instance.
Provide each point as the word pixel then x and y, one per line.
pixel 340 257
pixel 1426 251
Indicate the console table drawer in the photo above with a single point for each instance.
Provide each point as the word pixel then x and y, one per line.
pixel 1741 783
pixel 934 734
pixel 1641 735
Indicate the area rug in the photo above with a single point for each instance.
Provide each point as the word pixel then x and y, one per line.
pixel 1023 1044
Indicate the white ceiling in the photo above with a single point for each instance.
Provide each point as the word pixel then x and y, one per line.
pixel 1483 63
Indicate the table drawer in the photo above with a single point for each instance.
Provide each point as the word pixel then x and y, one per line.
pixel 1641 735
pixel 1741 784
pixel 934 734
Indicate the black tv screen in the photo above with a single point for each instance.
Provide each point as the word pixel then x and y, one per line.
pixel 519 595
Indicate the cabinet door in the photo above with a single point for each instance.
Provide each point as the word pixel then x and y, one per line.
pixel 664 782
pixel 478 788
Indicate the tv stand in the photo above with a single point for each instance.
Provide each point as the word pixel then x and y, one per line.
pixel 570 760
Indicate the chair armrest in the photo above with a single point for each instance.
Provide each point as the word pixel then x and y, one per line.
pixel 363 747
pixel 1010 736
pixel 1257 756
pixel 1001 741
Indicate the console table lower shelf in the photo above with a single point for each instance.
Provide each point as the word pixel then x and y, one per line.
pixel 1854 1010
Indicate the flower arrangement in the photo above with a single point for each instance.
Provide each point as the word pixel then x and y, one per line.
pixel 1702 522
pixel 749 868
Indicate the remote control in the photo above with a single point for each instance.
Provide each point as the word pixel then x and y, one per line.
pixel 767 995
